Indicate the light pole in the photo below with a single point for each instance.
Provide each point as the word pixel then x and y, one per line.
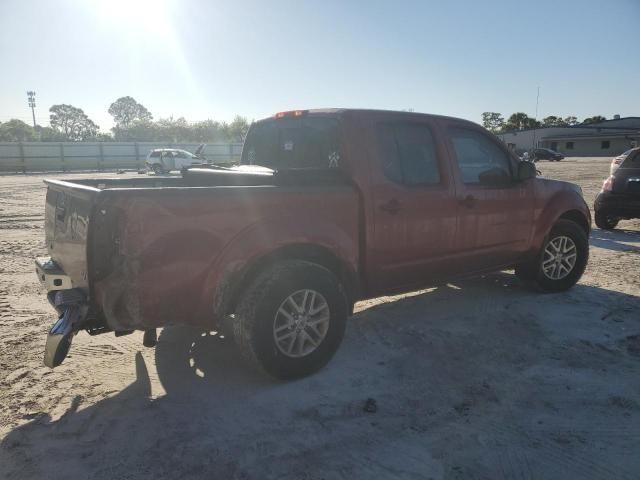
pixel 535 120
pixel 31 95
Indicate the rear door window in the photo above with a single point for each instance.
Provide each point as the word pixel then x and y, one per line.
pixel 408 154
pixel 292 143
pixel 477 154
pixel 632 160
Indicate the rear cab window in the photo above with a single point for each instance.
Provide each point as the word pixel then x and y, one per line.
pixel 408 153
pixel 305 142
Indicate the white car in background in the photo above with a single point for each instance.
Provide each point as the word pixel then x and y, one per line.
pixel 164 160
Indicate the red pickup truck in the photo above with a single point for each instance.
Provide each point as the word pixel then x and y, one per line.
pixel 326 208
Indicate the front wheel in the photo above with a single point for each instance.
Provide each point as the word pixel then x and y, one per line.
pixel 561 261
pixel 292 319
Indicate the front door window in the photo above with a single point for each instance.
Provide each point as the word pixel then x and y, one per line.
pixel 494 221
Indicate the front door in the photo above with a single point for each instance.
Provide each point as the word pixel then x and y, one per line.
pixel 414 206
pixel 494 222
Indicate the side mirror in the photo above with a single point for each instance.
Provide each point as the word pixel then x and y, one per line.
pixel 526 170
pixel 495 177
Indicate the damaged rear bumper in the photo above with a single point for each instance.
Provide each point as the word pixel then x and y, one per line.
pixel 71 305
pixel 74 313
pixel 51 276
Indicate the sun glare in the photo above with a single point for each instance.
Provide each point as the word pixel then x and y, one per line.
pixel 150 31
pixel 135 16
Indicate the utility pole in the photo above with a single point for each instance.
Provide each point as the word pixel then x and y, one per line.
pixel 536 119
pixel 31 96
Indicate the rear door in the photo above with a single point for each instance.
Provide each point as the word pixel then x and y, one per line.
pixel 167 161
pixel 182 160
pixel 494 222
pixel 414 205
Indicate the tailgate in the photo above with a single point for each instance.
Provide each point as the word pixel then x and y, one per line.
pixel 67 216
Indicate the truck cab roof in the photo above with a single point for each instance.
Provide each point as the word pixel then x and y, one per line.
pixel 361 112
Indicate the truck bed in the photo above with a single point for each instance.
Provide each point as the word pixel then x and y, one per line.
pixel 153 251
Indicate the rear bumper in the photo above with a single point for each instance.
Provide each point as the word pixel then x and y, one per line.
pixel 618 204
pixel 51 276
pixel 69 302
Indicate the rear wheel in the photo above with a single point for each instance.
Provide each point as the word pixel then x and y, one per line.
pixel 292 319
pixel 561 261
pixel 157 169
pixel 604 221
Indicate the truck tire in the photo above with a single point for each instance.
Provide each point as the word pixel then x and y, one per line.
pixel 291 319
pixel 561 261
pixel 604 221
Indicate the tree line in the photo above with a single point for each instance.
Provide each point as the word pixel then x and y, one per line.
pixel 132 122
pixel 496 123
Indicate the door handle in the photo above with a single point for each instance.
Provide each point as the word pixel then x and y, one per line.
pixel 392 206
pixel 469 201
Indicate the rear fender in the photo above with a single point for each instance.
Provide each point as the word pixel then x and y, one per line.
pixel 263 238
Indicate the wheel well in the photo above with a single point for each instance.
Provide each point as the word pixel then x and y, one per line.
pixel 578 217
pixel 311 253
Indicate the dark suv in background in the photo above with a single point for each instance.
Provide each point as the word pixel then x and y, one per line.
pixel 619 198
pixel 546 154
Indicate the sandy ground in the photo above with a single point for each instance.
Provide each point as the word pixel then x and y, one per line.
pixel 477 380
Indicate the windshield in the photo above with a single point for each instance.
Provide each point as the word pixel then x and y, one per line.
pixel 288 143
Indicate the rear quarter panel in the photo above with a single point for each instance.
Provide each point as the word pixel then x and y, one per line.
pixel 170 250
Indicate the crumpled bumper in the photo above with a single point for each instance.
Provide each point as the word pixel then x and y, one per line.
pixel 71 305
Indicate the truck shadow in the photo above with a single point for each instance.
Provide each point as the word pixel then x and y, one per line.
pixel 614 239
pixel 423 357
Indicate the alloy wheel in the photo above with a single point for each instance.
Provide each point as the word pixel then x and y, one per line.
pixel 559 258
pixel 301 323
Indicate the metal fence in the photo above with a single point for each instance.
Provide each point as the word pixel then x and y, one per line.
pixel 65 156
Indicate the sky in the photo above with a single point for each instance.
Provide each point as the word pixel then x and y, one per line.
pixel 216 59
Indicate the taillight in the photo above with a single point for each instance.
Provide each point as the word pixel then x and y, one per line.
pixel 615 164
pixel 607 186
